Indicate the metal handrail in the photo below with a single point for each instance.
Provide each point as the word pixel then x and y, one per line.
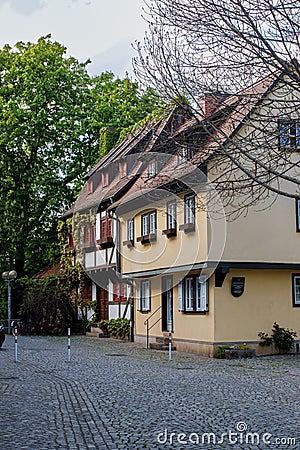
pixel 146 322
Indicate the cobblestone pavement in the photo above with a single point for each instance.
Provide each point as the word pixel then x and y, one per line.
pixel 117 395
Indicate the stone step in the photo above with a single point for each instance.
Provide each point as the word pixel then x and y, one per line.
pixel 92 334
pixel 162 340
pixel 96 330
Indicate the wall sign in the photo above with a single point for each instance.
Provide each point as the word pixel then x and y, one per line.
pixel 237 286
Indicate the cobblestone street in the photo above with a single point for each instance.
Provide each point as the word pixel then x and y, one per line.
pixel 117 395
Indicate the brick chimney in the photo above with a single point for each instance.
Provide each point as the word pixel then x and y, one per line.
pixel 209 103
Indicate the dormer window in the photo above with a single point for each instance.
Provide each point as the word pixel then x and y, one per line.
pixel 123 169
pixel 105 178
pixel 90 186
pixel 152 168
pixel 184 154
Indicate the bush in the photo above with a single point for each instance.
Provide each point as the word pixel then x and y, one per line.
pixel 283 338
pixel 46 308
pixel 221 351
pixel 115 327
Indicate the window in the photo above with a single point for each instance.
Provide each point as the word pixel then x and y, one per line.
pixel 193 294
pixel 130 233
pixel 90 186
pixel 189 209
pixel 123 169
pixel 189 294
pixel 87 293
pixel 171 215
pixel 106 234
pixel 119 292
pixel 152 169
pixel 88 236
pixel 106 228
pixel 296 290
pixel 171 219
pixel 105 178
pixel 184 154
pixel 148 228
pixel 71 241
pixel 144 295
pixel 189 214
pixel 289 134
pixel 298 215
pixel 130 230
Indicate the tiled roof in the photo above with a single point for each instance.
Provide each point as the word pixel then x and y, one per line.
pixel 53 270
pixel 228 117
pixel 132 140
pixel 92 200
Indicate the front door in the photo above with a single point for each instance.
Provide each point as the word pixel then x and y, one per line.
pixel 103 310
pixel 167 302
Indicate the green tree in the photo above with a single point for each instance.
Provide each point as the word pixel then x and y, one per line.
pixel 43 143
pixel 118 104
pixel 51 116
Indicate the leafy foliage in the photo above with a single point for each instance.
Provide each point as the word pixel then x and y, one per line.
pixel 221 351
pixel 47 308
pixel 283 338
pixel 115 327
pixel 51 114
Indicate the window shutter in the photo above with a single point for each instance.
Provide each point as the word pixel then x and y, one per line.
pixel 152 222
pixel 203 294
pixel 103 229
pixel 109 227
pixel 144 225
pixel 147 296
pixel 139 295
pixel 180 295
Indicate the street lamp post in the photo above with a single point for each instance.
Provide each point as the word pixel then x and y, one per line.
pixel 8 277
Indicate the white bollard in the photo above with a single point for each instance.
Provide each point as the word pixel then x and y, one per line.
pixel 170 339
pixel 69 345
pixel 16 343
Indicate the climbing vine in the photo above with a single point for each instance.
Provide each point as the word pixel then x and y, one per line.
pixel 71 256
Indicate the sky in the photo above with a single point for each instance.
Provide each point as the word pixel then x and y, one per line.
pixel 100 30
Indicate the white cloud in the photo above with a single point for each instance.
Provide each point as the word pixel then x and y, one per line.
pixel 101 30
pixel 25 7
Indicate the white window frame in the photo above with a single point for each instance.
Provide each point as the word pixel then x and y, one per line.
pixel 152 222
pixel 171 215
pixel 189 293
pixel 289 134
pixel 130 229
pixel 296 290
pixel 189 209
pixel 152 168
pixel 148 222
pixel 193 294
pixel 144 295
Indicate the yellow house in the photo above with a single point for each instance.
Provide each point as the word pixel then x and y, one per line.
pixel 215 268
